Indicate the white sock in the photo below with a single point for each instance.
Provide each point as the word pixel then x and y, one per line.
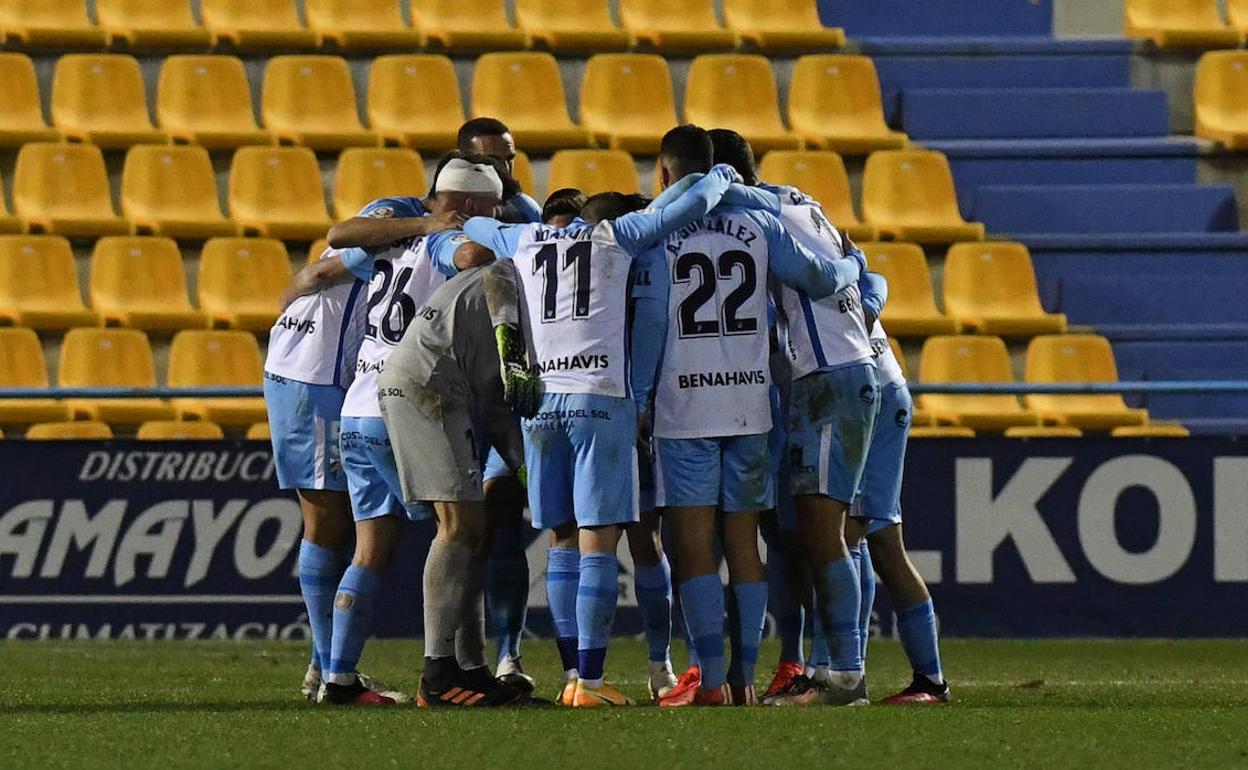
pixel 592 683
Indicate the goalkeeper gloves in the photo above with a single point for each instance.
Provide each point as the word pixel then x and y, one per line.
pixel 522 389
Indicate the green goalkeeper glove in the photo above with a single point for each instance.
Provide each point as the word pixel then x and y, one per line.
pixel 522 389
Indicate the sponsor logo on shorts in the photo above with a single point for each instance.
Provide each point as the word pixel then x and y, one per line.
pixel 797 459
pixel 867 394
pixel 902 418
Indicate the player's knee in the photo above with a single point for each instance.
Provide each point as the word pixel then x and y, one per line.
pixel 564 536
pixel 643 545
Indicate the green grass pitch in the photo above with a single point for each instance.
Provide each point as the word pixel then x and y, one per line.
pixel 1018 704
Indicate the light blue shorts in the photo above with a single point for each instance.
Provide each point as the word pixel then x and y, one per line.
pixel 732 472
pixel 581 450
pixel 303 421
pixel 495 466
pixel 879 495
pixel 831 415
pixel 372 476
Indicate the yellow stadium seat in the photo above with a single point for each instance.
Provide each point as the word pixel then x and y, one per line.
pixel 571 25
pixel 21 121
pixel 140 282
pixel 909 196
pixel 971 359
pixel 414 101
pixel 221 358
pixel 100 98
pixel 77 430
pixel 317 250
pixel 172 190
pixel 627 101
pixel 1043 431
pixel 781 26
pixel 180 430
pixel 940 431
pixel 822 176
pixel 1152 430
pixel 1237 14
pixel 522 172
pixel 468 25
pixel 263 24
pixel 51 24
pixel 153 23
pixel 22 366
pixel 738 92
pixel 593 171
pixel 911 308
pixel 276 192
pixel 990 288
pixel 676 26
pixel 1221 110
pixel 206 100
pixel 362 24
pixel 93 358
pixel 258 432
pixel 8 222
pixel 39 284
pixel 1180 24
pixel 63 189
pixel 835 103
pixel 366 174
pixel 240 280
pixel 310 100
pixel 1077 358
pixel 525 91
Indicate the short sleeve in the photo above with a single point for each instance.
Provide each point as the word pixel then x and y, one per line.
pixel 442 247
pixel 359 262
pixel 393 208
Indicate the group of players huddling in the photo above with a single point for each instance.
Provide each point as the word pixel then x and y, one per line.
pixel 713 356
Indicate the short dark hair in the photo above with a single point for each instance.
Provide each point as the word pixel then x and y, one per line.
pixel 610 205
pixel 510 186
pixel 735 150
pixel 479 127
pixel 687 150
pixel 567 201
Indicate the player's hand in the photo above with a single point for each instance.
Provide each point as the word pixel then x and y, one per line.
pixel 447 220
pixel 727 172
pixel 522 389
pixel 855 253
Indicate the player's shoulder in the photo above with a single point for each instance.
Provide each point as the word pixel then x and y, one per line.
pixel 790 195
pixel 394 207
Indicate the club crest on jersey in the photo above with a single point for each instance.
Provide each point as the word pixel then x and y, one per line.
pixel 381 212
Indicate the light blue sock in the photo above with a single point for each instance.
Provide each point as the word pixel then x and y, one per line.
pixel 786 606
pixel 839 597
pixel 653 586
pixel 596 597
pixel 507 593
pixel 319 573
pixel 917 629
pixel 819 655
pixel 563 573
pixel 866 582
pixel 751 617
pixel 353 617
pixel 703 601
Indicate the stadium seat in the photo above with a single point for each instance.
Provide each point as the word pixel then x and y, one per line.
pixel 627 101
pixel 257 24
pixel 1152 430
pixel 221 358
pixel 93 358
pixel 365 174
pixel 39 284
pixel 276 192
pixel 8 222
pixel 206 100
pixel 414 101
pixel 822 176
pixel 172 191
pixel 1237 14
pixel 911 308
pixel 180 430
pixel 51 24
pixel 22 366
pixel 1043 431
pixel 525 91
pixel 100 98
pixel 310 100
pixel 153 23
pixel 63 189
pixel 1221 110
pixel 467 25
pixel 22 119
pixel 571 25
pixel 835 104
pixel 990 288
pixel 971 359
pixel 593 171
pixel 140 282
pixel 676 26
pixel 940 431
pixel 1180 24
pixel 781 26
pixel 258 432
pixel 909 196
pixel 522 172
pixel 73 430
pixel 355 25
pixel 240 280
pixel 738 92
pixel 1077 358
pixel 317 250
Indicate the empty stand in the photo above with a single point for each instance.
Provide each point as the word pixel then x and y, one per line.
pixel 990 288
pixel 738 92
pixel 362 24
pixel 414 101
pixel 63 189
pixel 179 430
pixel 676 26
pixel 111 358
pixel 1077 358
pixel 206 100
pixel 1179 24
pixel 593 171
pixel 971 359
pixel 240 280
pixel 22 118
pixel 627 101
pixel 276 192
pixel 366 174
pixel 310 100
pixel 781 26
pixel 571 25
pixel 821 175
pixel 39 284
pixel 909 195
pixel 911 308
pixel 100 98
pixel 1041 113
pixel 467 25
pixel 170 190
pixel 1188 359
pixel 257 24
pixel 525 91
pixel 1221 109
pixel 835 103
pixel 1237 14
pixel 1107 208
pixel 78 430
pixel 8 222
pixel 140 282
pixel 222 358
pixel 51 24
pixel 22 366
pixel 153 23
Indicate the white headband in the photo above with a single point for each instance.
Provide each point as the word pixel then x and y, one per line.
pixel 458 175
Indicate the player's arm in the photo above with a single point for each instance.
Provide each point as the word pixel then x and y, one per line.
pixel 874 290
pixel 641 230
pixel 752 198
pixel 521 209
pixel 343 267
pixel 502 239
pixel 650 319
pixel 522 389
pixel 795 265
pixel 386 221
pixel 676 190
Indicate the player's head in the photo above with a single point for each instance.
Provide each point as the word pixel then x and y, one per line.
pixel 735 150
pixel 610 205
pixel 685 150
pixel 488 136
pixel 471 185
pixel 562 206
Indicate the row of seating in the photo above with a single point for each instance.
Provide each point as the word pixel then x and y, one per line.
pixel 457 25
pixel 414 100
pixel 152 430
pixel 1220 107
pixel 1187 23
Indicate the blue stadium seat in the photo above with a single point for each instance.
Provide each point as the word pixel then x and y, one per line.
pixel 1045 113
pixel 1107 209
